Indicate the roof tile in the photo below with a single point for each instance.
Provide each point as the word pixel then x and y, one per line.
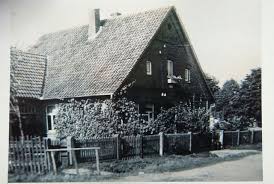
pixel 78 67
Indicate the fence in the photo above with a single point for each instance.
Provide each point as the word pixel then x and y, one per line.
pixel 177 143
pixel 27 155
pixel 234 138
pixel 108 148
pixel 202 142
pixel 126 147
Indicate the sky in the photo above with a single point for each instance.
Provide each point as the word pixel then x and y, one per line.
pixel 225 34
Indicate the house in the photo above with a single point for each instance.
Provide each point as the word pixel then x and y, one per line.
pixel 149 50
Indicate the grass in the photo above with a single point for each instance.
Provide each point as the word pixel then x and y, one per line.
pixel 120 168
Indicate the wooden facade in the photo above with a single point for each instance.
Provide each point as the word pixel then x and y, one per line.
pixel 165 69
pixel 169 44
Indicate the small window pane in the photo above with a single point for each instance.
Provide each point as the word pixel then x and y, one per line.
pixel 149 68
pixel 187 75
pixel 49 123
pixel 169 68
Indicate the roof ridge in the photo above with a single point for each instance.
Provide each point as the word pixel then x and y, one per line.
pixel 106 19
pixel 141 12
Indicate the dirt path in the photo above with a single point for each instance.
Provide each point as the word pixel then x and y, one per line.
pixel 245 169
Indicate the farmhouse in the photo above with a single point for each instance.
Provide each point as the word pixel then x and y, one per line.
pixel 150 51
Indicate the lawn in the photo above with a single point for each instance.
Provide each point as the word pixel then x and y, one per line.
pixel 120 168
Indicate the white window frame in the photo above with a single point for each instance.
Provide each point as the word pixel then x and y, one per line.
pixel 150 114
pixel 169 68
pixel 148 67
pixel 51 114
pixel 187 75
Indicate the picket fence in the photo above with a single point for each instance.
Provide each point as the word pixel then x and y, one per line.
pixel 28 155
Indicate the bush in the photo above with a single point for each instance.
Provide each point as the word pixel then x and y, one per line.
pixel 239 122
pixel 86 118
pixel 182 118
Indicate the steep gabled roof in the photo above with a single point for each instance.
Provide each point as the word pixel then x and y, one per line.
pixel 29 71
pixel 78 67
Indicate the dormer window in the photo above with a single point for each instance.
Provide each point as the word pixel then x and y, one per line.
pixel 169 68
pixel 187 75
pixel 149 68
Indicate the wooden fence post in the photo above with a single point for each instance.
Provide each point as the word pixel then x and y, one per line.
pixel 53 162
pixel 252 137
pixel 47 164
pixel 161 150
pixel 140 137
pixel 190 141
pixel 118 146
pixel 221 138
pixel 238 137
pixel 97 161
pixel 69 146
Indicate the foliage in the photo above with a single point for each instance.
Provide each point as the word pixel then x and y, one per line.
pixel 239 122
pixel 182 118
pixel 250 95
pixel 14 103
pixel 241 104
pixel 87 118
pixel 212 83
pixel 227 98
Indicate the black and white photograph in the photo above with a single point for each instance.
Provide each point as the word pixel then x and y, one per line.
pixel 135 91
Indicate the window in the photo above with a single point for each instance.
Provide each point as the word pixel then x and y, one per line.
pixel 169 68
pixel 51 113
pixel 147 112
pixel 149 68
pixel 49 123
pixel 187 75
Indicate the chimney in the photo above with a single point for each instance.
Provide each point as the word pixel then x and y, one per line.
pixel 94 23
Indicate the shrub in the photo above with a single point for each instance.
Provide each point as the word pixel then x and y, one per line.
pixel 239 122
pixel 87 118
pixel 182 118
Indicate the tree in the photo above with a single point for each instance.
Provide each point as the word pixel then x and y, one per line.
pixel 14 102
pixel 227 98
pixel 250 95
pixel 212 83
pixel 241 105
